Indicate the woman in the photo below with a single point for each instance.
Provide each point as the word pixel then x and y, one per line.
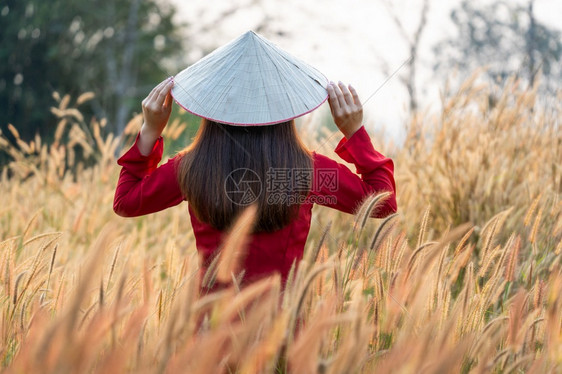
pixel 244 155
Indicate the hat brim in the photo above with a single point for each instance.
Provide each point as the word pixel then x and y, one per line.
pixel 249 124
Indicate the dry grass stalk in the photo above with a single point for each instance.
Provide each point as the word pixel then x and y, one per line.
pixel 233 249
pixel 393 302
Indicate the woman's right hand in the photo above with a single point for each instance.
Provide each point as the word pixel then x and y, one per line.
pixel 346 108
pixel 156 110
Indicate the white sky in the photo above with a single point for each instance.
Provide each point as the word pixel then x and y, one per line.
pixel 346 40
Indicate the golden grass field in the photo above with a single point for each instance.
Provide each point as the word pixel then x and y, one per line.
pixel 466 278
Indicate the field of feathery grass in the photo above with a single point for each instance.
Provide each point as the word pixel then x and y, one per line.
pixel 466 278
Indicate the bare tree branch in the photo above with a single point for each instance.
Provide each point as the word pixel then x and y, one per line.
pixel 531 42
pixel 409 80
pixel 399 25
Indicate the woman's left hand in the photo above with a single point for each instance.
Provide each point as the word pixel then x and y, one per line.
pixel 156 110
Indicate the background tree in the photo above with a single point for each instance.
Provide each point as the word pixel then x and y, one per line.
pixel 117 49
pixel 505 37
pixel 413 41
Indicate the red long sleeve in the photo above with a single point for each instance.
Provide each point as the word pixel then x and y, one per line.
pixel 349 190
pixel 143 187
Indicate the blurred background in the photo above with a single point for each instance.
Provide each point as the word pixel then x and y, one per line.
pixel 401 55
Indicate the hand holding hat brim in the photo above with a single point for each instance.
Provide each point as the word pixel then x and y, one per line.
pixel 156 110
pixel 346 108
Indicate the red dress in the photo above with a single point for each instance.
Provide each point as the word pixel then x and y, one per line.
pixel 144 188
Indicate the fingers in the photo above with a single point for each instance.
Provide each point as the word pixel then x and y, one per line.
pixel 163 93
pixel 158 97
pixel 346 108
pixel 333 97
pixel 355 95
pixel 342 96
pixel 345 94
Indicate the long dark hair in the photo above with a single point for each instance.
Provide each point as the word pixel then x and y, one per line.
pixel 228 167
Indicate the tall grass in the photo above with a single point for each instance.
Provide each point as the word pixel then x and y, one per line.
pixel 466 278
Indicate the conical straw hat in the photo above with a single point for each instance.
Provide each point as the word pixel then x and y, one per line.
pixel 250 81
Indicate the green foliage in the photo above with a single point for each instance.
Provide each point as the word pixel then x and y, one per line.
pixel 117 49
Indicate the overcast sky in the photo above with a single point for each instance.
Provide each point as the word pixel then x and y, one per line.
pixel 346 40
